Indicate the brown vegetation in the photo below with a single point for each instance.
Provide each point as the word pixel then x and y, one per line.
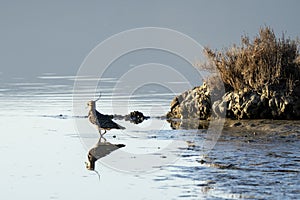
pixel 266 61
pixel 261 79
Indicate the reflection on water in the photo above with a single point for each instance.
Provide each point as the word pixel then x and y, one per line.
pixel 188 124
pixel 101 149
pixel 252 159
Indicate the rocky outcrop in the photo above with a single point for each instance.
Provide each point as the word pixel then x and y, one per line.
pixel 254 105
pixel 193 103
pixel 264 104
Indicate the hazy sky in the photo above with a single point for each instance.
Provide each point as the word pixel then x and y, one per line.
pixel 55 36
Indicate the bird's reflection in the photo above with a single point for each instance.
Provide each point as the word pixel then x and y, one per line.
pixel 100 150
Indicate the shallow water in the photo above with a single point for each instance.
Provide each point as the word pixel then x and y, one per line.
pixel 44 145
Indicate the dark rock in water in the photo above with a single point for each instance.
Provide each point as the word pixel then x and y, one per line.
pixel 136 117
pixel 201 161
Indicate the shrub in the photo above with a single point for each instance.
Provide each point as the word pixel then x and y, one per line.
pixel 265 61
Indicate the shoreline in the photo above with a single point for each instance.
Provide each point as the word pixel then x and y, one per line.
pixel 267 126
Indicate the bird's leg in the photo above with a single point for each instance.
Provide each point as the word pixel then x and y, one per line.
pixel 101 137
pixel 104 132
pixel 99 130
pixel 104 139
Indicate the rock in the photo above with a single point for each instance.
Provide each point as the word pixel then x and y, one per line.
pixel 192 104
pixel 135 117
pixel 174 103
pixel 268 103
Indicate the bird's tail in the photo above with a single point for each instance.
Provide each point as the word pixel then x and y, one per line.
pixel 120 145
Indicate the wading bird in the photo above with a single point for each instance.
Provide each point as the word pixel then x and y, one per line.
pixel 101 121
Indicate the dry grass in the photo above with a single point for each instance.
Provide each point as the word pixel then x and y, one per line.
pixel 255 64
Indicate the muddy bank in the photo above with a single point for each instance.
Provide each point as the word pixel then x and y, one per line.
pixel 253 127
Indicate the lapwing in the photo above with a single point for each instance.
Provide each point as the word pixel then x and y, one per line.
pixel 100 120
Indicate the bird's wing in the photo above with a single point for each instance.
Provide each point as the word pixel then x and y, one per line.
pixel 106 122
pixel 109 124
pixel 102 116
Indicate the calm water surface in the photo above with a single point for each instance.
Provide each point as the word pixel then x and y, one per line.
pixel 43 151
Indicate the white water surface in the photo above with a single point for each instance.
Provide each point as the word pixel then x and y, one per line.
pixel 43 154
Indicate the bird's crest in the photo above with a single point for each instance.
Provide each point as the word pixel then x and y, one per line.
pixel 98 97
